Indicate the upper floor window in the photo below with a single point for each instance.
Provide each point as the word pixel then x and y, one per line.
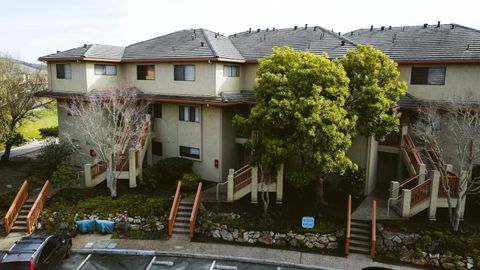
pixel 428 75
pixel 184 73
pixel 189 114
pixel 146 72
pixel 64 71
pixel 231 71
pixel 110 70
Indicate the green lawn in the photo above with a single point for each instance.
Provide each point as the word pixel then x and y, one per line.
pixel 45 118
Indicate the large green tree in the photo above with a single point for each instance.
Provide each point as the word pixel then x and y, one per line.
pixel 311 108
pixel 17 100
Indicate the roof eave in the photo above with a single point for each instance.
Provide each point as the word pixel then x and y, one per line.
pixel 164 60
pixel 437 61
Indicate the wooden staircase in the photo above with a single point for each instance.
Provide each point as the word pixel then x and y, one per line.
pixel 20 224
pixel 360 232
pixel 182 225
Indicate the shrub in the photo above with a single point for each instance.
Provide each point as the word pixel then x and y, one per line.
pixel 190 181
pixel 166 172
pixel 48 132
pixel 353 182
pixel 54 154
pixel 40 175
pixel 64 176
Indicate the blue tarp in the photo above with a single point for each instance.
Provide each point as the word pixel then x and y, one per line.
pixel 86 226
pixel 105 226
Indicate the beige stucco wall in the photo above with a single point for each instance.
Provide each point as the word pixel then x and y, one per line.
pixel 101 82
pixel 205 135
pixel 227 84
pixel 204 84
pixel 67 130
pixel 459 80
pixel 249 72
pixel 230 153
pixel 78 82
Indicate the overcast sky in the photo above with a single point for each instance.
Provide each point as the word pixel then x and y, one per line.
pixel 30 29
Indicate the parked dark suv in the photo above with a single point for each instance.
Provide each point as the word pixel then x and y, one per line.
pixel 39 252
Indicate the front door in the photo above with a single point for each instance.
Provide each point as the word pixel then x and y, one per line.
pixel 386 169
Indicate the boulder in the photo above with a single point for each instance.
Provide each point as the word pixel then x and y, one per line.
pixel 333 245
pixel 265 239
pixel 135 227
pixel 216 234
pixel 332 238
pixel 448 265
pixel 323 239
pixel 300 237
pixel 293 242
pixel 320 245
pixel 226 235
pixel 280 242
pixel 309 245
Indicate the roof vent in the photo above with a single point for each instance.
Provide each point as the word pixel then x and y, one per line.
pixel 389 27
pixel 235 35
pixel 339 33
pixel 438 24
pixel 249 30
pixel 273 29
pixel 314 28
pixel 453 26
pixel 193 37
pixel 267 29
pixel 382 28
pixel 468 47
pixel 295 27
pixel 58 51
pixel 202 44
pixel 343 42
pixel 403 29
pixel 194 31
pixel 306 26
pixel 425 25
pixel 258 30
pixel 394 37
pixel 371 27
pixel 84 45
pixel 351 33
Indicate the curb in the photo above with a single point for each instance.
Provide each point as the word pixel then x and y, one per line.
pixel 198 256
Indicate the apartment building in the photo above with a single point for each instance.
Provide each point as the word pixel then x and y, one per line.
pixel 197 80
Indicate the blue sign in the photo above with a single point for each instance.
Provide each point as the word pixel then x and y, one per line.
pixel 308 222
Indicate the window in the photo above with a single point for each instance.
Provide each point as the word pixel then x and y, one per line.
pixel 231 71
pixel 428 75
pixel 146 72
pixel 189 114
pixel 105 70
pixel 184 73
pixel 157 148
pixel 157 110
pixel 64 71
pixel 48 249
pixel 190 152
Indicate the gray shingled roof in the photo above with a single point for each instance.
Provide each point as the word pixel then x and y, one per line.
pixel 90 51
pixel 419 43
pixel 184 44
pixel 259 43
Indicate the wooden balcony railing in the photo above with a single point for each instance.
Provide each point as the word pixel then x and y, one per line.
pixel 122 163
pixel 373 247
pixel 421 192
pixel 12 213
pixel 451 182
pixel 98 169
pixel 242 178
pixel 195 209
pixel 174 210
pixel 412 150
pixel 37 207
pixel 349 224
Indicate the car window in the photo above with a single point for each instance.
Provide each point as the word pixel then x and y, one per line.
pixel 48 249
pixel 15 266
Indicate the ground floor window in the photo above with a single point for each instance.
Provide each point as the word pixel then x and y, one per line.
pixel 189 114
pixel 190 152
pixel 157 148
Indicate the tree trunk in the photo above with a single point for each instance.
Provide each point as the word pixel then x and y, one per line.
pixel 111 181
pixel 320 192
pixel 6 154
pixel 456 216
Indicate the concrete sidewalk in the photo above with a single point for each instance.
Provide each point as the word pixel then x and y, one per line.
pixel 28 148
pixel 181 245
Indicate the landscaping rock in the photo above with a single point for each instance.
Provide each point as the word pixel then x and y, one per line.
pixel 332 245
pixel 265 239
pixel 300 237
pixel 293 242
pixel 135 227
pixel 280 242
pixel 216 234
pixel 226 235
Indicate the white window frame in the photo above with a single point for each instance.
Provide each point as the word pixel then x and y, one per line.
pixel 185 113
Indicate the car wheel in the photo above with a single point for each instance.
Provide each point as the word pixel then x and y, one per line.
pixel 69 250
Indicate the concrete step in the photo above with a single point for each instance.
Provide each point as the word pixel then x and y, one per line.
pixel 358 224
pixel 358 243
pixel 360 250
pixel 183 218
pixel 184 214
pixel 179 230
pixel 24 212
pixel 19 229
pixel 363 231
pixel 187 208
pixel 181 225
pixel 360 237
pixel 20 223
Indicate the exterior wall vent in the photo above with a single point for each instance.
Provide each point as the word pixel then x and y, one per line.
pixel 249 30
pixel 202 44
pixel 390 27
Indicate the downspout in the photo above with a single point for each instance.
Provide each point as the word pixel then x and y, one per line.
pixel 367 167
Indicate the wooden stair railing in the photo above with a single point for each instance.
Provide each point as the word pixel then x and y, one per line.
pixel 421 192
pixel 196 206
pixel 174 210
pixel 12 213
pixel 412 150
pixel 349 224
pixel 242 178
pixel 37 207
pixel 451 183
pixel 373 247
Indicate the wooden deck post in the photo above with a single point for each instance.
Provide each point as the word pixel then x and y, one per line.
pixel 132 168
pixel 279 185
pixel 254 185
pixel 432 210
pixel 230 185
pixel 406 201
pixel 88 175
